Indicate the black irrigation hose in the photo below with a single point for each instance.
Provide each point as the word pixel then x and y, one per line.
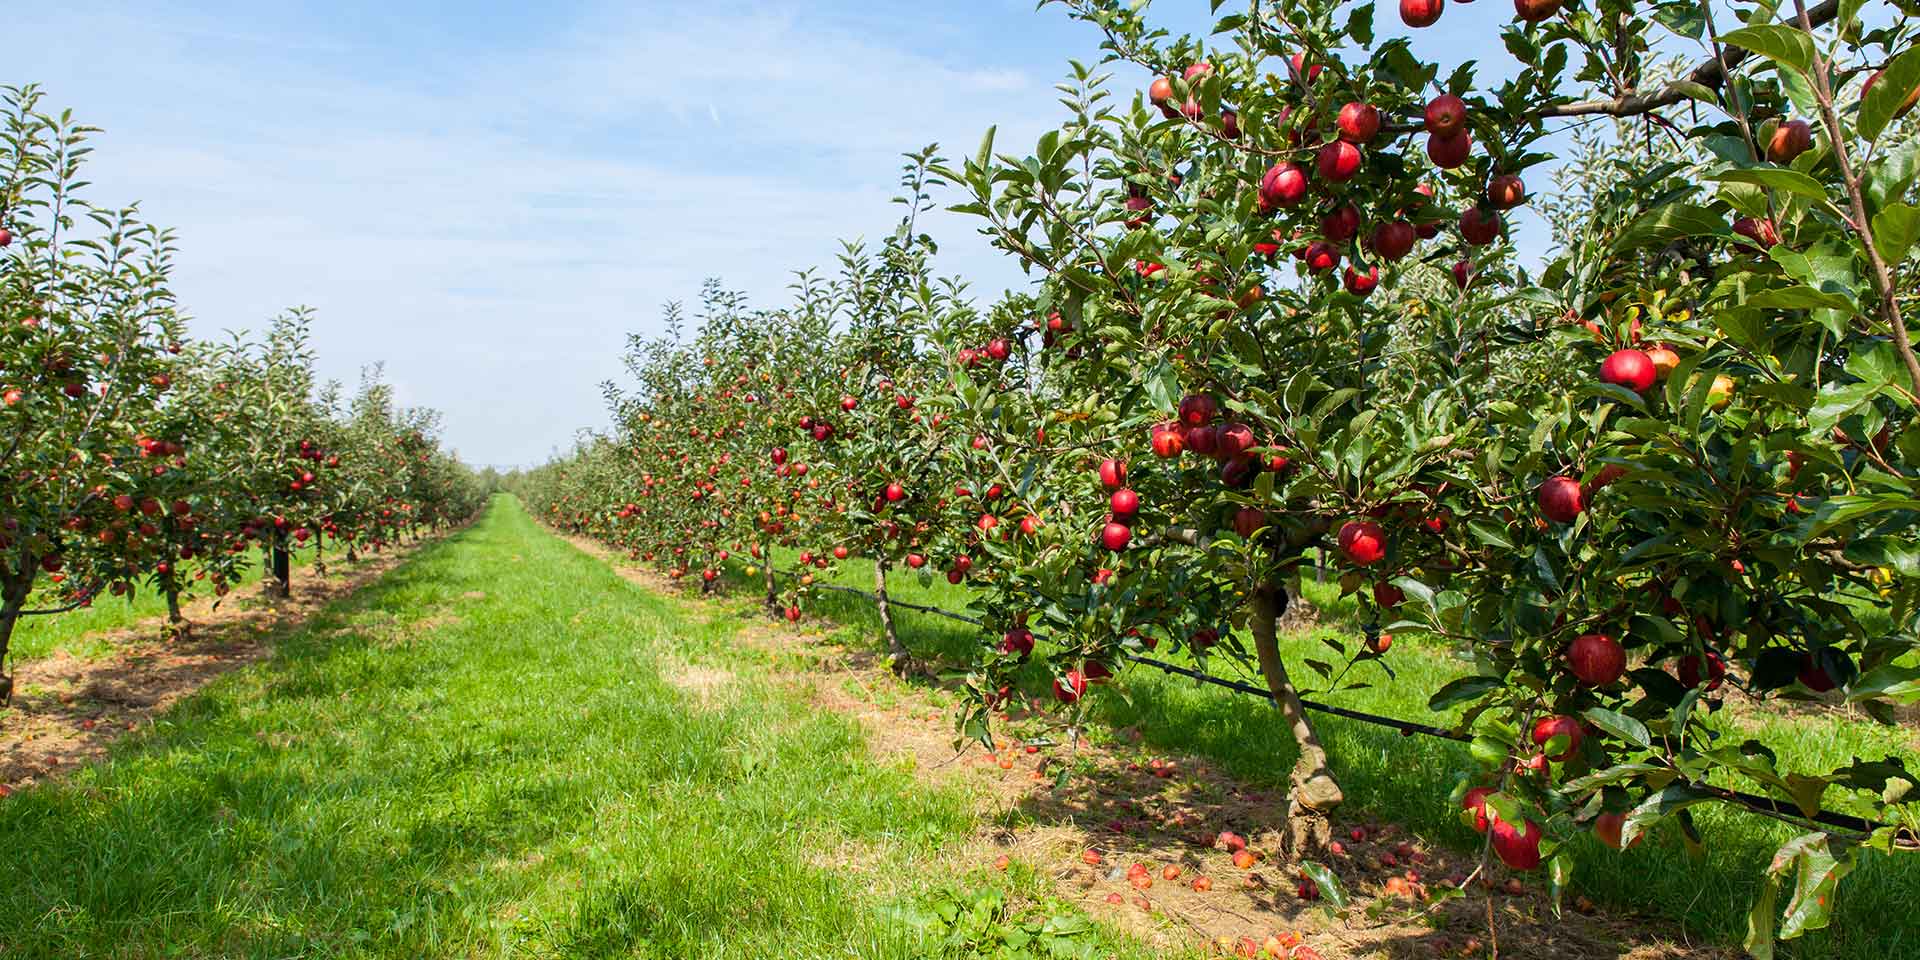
pixel 1759 804
pixel 1404 726
pixel 856 591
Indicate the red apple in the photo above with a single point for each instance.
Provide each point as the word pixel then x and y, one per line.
pixel 1789 140
pixel 1901 111
pixel 1284 185
pixel 1449 151
pixel 1248 520
pixel 1476 801
pixel 1168 440
pixel 1322 256
pixel 1115 536
pixel 1362 284
pixel 1757 229
pixel 1609 827
pixel 1339 161
pixel 1815 676
pixel 1359 122
pixel 1561 499
pixel 1692 673
pixel 1018 641
pixel 1664 360
pixel 1596 659
pixel 1534 11
pixel 1421 13
pixel 1546 728
pixel 1341 224
pixel 1113 474
pixel 1198 409
pixel 1518 848
pixel 1629 368
pixel 1071 687
pixel 1125 503
pixel 1506 192
pixel 1446 115
pixel 1363 542
pixel 1480 227
pixel 1392 240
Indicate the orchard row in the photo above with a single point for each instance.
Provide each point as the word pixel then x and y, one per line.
pixel 1665 458
pixel 136 458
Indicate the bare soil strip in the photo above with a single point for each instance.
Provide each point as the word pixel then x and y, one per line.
pixel 68 710
pixel 1130 836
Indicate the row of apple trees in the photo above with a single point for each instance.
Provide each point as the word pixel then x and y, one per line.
pixel 134 457
pixel 1277 313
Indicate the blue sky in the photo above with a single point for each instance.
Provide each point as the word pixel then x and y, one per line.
pixel 490 196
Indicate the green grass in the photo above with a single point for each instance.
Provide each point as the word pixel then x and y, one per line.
pixel 1407 779
pixel 478 756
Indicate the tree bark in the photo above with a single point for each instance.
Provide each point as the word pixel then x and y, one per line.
pixel 898 659
pixel 173 604
pixel 279 568
pixel 1315 791
pixel 13 599
pixel 773 589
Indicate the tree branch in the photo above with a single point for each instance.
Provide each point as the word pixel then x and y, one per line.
pixel 1710 74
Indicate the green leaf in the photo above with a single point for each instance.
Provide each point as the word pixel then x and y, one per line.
pixel 1329 884
pixel 1799 298
pixel 1778 178
pixel 1895 229
pixel 1892 681
pixel 1889 92
pixel 1683 17
pixel 1784 45
pixel 1667 802
pixel 1620 725
pixel 1620 773
pixel 1489 534
pixel 1461 690
pixel 1759 941
pixel 1819 871
pixel 1559 875
pixel 1665 224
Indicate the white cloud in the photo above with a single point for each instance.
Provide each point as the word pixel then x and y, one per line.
pixel 493 229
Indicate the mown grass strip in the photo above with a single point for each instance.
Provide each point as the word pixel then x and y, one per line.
pixel 478 756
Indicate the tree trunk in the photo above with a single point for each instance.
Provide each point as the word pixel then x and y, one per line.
pixel 898 659
pixel 353 554
pixel 773 588
pixel 1315 792
pixel 173 603
pixel 280 568
pixel 13 599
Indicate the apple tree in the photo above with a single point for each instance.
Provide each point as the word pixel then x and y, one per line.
pixel 1284 317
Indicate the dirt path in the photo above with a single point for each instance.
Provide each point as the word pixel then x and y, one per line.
pixel 1137 839
pixel 68 710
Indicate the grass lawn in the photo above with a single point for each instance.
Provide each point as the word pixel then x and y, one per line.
pixel 1406 779
pixel 479 756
